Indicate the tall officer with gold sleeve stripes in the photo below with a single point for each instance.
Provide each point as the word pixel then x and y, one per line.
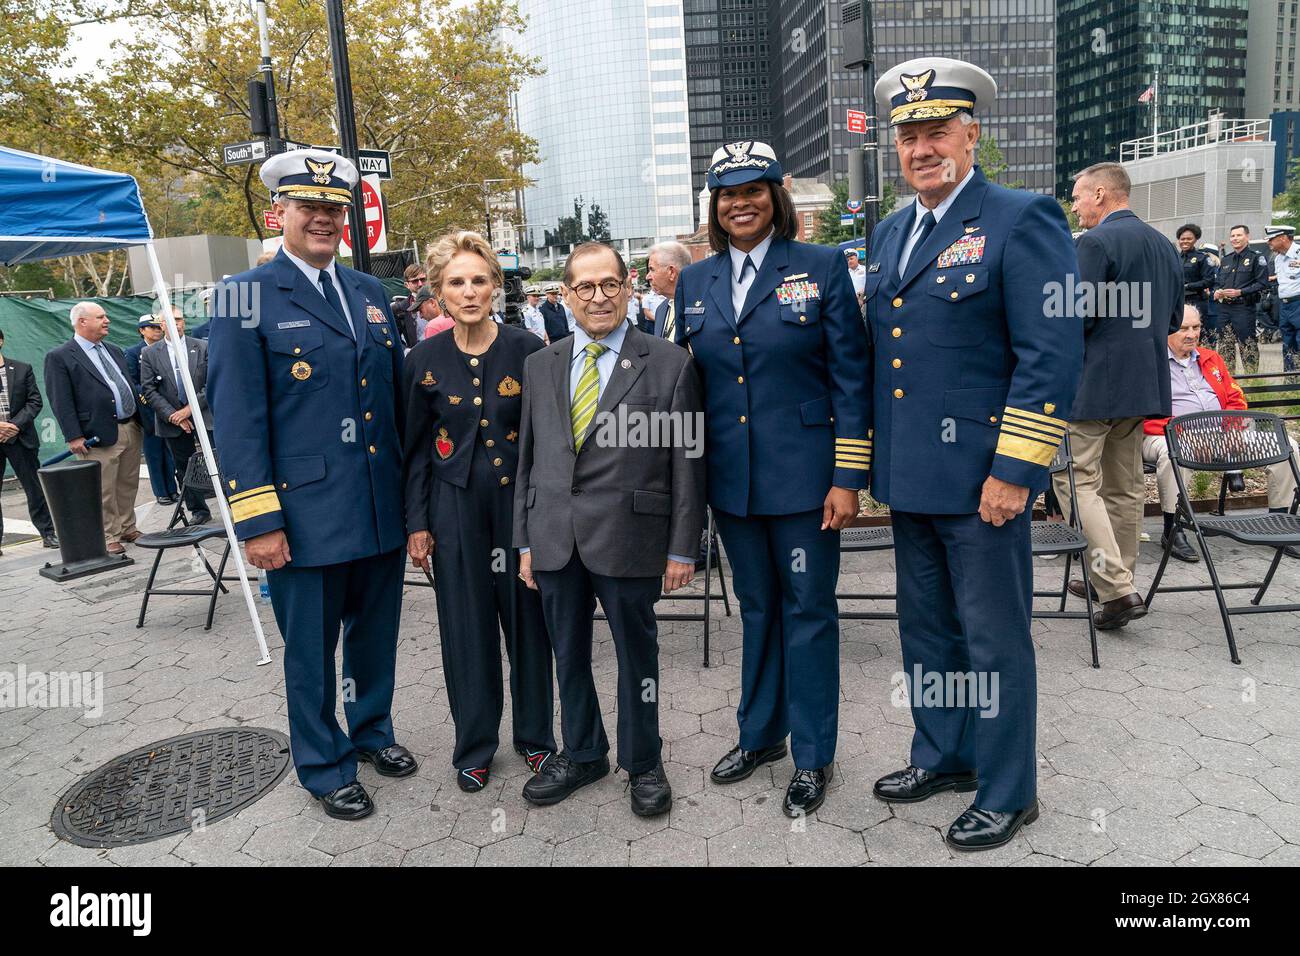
pixel 974 365
pixel 304 365
pixel 777 335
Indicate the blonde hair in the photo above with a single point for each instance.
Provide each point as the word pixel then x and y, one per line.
pixel 447 248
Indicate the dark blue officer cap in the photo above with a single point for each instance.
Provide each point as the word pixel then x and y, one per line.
pixel 743 162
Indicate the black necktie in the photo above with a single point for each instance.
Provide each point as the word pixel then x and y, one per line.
pixel 927 226
pixel 332 297
pixel 745 267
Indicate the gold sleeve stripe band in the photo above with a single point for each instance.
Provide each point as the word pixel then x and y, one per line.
pixel 1031 435
pixel 858 442
pixel 1025 449
pixel 852 456
pixel 1034 416
pixel 254 507
pixel 250 492
pixel 1033 428
pixel 857 467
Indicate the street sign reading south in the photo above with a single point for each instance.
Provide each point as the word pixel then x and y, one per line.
pixel 238 154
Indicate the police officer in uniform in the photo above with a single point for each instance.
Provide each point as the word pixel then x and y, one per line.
pixel 304 365
pixel 1242 276
pixel 1198 271
pixel 1286 273
pixel 775 330
pixel 974 365
pixel 464 394
pixel 533 320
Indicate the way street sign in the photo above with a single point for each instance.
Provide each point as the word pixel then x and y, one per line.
pixel 376 233
pixel 374 162
pixel 857 121
pixel 240 154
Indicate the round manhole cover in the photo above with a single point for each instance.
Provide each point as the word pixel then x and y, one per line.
pixel 169 786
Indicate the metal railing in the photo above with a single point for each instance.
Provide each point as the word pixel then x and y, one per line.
pixel 1290 383
pixel 1206 133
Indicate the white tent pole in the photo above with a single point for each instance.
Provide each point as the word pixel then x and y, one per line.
pixel 201 432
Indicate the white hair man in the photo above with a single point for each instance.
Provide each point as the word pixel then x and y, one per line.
pixel 665 265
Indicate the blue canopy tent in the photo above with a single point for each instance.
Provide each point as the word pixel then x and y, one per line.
pixel 51 208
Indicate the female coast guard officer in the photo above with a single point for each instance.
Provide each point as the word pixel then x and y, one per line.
pixel 463 397
pixel 777 335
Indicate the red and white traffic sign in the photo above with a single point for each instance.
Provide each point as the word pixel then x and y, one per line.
pixel 376 231
pixel 857 121
pixel 271 221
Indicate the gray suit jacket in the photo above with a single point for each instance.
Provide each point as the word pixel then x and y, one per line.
pixel 158 383
pixel 624 508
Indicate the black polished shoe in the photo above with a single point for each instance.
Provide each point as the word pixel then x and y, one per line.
pixel 1182 549
pixel 472 779
pixel 806 792
pixel 740 764
pixel 166 500
pixel 561 776
pixel 50 541
pixel 394 761
pixel 978 829
pixel 1117 613
pixel 913 784
pixel 201 517
pixel 1076 588
pixel 651 794
pixel 349 802
pixel 537 759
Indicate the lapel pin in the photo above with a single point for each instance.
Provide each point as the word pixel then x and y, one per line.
pixel 626 363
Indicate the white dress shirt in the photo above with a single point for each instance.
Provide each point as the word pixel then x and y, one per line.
pixel 919 214
pixel 739 286
pixel 313 276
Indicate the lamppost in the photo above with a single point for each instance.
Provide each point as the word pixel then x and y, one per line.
pixel 487 204
pixel 347 122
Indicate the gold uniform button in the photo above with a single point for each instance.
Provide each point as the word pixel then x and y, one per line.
pixel 490 443
pixel 372 449
pixel 897 303
pixel 388 342
pixel 475 381
pixel 898 393
pixel 284 486
pixel 897 332
pixel 478 400
pixel 483 422
pixel 993 419
pixel 497 462
pixel 296 350
pixel 363 383
pixel 736 340
pixel 940 279
pixel 369 416
pixel 803 318
pixel 952 295
pixel 740 379
pixel 474 362
pixel 505 480
pixel 743 419
pixel 898 363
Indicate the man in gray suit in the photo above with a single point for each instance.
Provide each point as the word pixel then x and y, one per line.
pixel 160 381
pixel 609 504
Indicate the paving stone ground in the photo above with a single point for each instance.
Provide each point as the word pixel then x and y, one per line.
pixel 1169 754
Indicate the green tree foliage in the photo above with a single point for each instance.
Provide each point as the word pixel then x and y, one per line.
pixel 829 231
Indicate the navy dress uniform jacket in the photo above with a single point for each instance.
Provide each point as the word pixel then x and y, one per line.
pixel 972 378
pixel 786 384
pixel 308 425
pixel 133 376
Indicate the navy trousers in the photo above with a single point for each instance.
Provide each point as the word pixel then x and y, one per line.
pixel 477 575
pixel 964 599
pixel 162 477
pixel 1289 326
pixel 785 570
pixel 569 600
pixel 364 597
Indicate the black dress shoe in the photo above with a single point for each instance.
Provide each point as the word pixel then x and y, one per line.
pixel 651 794
pixel 739 764
pixel 394 761
pixel 537 759
pixel 978 829
pixel 166 500
pixel 201 517
pixel 1119 612
pixel 50 541
pixel 1076 588
pixel 472 779
pixel 349 802
pixel 914 784
pixel 807 791
pixel 1182 549
pixel 561 776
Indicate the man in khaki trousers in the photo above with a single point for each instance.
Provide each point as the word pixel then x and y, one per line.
pixel 1130 291
pixel 97 410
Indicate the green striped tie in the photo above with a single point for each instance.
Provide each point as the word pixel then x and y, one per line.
pixel 587 396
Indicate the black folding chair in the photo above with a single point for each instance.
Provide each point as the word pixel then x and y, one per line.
pixel 1230 441
pixel 861 541
pixel 181 534
pixel 1067 538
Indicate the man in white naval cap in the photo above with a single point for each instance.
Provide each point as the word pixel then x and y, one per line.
pixel 972 372
pixel 1286 274
pixel 304 363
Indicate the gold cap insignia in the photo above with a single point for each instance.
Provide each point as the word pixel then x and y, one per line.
pixel 321 172
pixel 916 85
pixel 508 387
pixel 301 371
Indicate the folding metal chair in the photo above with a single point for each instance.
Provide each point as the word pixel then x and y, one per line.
pixel 1067 538
pixel 1230 441
pixel 187 536
pixel 860 541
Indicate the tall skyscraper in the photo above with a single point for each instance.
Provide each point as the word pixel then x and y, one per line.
pixel 609 115
pixel 1272 83
pixel 727 76
pixel 1108 53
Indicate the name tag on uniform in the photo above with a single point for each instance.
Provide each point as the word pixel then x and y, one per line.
pixel 788 293
pixel 694 310
pixel 299 324
pixel 963 252
pixel 374 315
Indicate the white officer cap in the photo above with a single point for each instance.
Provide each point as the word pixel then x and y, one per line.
pixel 1271 231
pixel 313 175
pixel 933 88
